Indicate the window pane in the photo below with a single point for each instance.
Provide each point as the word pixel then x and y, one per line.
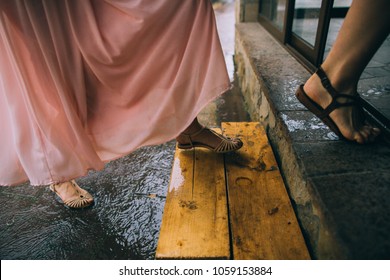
pixel 342 3
pixel 335 25
pixel 274 10
pixel 306 14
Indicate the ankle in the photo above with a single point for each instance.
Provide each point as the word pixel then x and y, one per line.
pixel 342 80
pixel 315 90
pixel 183 138
pixel 193 128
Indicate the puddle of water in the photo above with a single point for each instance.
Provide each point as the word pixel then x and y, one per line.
pixel 177 178
pixel 293 125
pixel 244 182
pixel 123 224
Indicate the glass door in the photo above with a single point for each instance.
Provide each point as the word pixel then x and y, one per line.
pixel 273 15
pixel 307 27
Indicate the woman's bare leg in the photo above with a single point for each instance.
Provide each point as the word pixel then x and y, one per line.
pixel 366 26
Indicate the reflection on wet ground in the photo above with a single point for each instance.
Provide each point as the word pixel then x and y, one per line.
pixel 129 196
pixel 123 223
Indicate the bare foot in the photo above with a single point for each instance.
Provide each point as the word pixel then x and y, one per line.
pixel 72 195
pixel 342 117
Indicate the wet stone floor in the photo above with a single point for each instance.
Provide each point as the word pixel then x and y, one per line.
pixel 129 196
pixel 123 223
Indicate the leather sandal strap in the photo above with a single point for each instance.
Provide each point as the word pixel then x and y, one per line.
pixel 226 144
pixel 326 82
pixel 353 99
pixel 190 135
pixel 195 133
pixel 356 100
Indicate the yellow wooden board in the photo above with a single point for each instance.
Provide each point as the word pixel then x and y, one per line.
pixel 262 220
pixel 195 219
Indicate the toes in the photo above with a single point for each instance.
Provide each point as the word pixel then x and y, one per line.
pixel 376 131
pixel 367 134
pixel 359 138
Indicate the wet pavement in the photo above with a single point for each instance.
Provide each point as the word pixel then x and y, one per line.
pixel 123 223
pixel 129 195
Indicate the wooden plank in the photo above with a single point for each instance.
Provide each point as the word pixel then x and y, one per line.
pixel 263 222
pixel 195 219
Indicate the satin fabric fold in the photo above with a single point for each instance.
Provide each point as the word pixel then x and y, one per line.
pixel 86 82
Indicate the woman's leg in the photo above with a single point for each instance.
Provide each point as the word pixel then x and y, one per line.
pixel 365 28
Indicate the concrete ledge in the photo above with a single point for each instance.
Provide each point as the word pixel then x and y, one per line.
pixel 340 190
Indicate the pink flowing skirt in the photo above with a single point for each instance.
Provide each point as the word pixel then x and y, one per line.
pixel 86 81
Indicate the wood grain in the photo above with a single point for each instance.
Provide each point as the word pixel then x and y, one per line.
pixel 263 222
pixel 195 219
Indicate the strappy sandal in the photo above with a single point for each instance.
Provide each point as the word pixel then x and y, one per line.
pixel 84 199
pixel 358 115
pixel 226 145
